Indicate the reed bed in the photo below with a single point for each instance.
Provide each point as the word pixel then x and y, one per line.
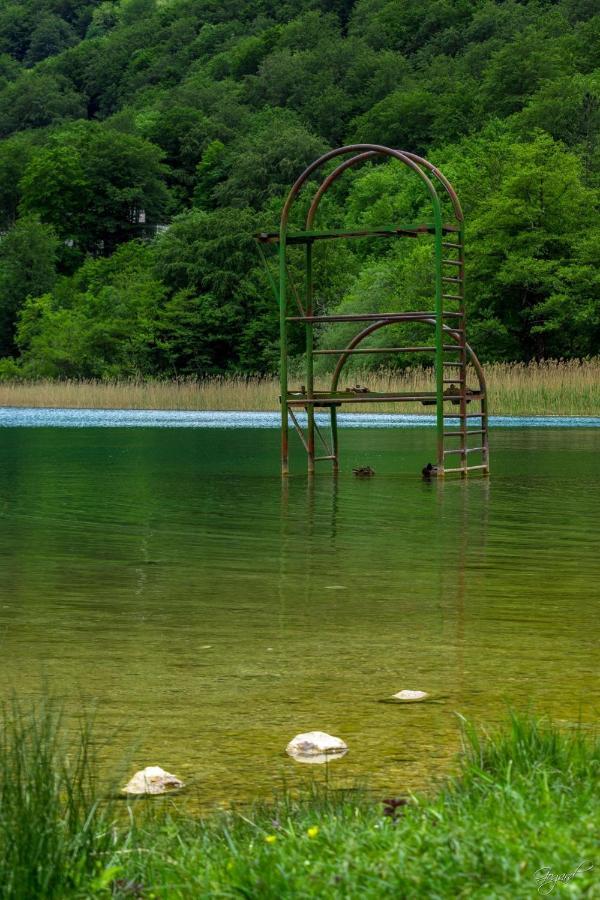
pixel 550 387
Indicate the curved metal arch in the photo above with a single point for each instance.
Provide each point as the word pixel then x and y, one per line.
pixel 376 149
pixel 375 326
pixel 362 157
pixel 327 182
pixel 442 179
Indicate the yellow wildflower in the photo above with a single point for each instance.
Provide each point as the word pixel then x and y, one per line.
pixel 313 831
pixel 271 838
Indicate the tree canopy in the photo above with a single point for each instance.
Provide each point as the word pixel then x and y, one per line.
pixel 144 141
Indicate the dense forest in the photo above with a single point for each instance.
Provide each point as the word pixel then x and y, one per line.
pixel 145 141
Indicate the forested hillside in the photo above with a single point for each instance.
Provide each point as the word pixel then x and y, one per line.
pixel 144 141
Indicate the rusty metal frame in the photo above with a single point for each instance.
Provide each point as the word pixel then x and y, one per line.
pixel 308 399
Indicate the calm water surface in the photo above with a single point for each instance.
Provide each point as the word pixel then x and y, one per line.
pixel 210 614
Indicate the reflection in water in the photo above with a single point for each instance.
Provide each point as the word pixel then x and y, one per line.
pixel 212 612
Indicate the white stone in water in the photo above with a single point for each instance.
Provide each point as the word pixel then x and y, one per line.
pixel 152 780
pixel 410 695
pixel 314 743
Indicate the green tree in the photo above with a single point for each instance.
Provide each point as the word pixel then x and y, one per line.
pixel 15 153
pixel 104 18
pixel 99 323
pixel 15 29
pixel 259 167
pixel 35 100
pixel 210 171
pixel 403 119
pixel 51 35
pixel 91 183
pixel 519 67
pixel 568 108
pixel 219 106
pixel 27 269
pixel 532 223
pixel 208 260
pixel 183 133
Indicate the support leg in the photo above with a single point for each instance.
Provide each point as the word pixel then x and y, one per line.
pixel 310 438
pixel 334 440
pixel 310 385
pixel 284 438
pixel 283 372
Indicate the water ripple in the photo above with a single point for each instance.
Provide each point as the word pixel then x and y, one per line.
pixel 30 417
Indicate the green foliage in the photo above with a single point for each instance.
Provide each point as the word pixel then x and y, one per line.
pixel 55 835
pixel 259 168
pixel 15 154
pixel 51 35
pixel 27 268
pixel 519 67
pixel 188 109
pixel 210 171
pixel 523 803
pixel 531 230
pixel 100 323
pixel 403 119
pixel 35 100
pixel 91 183
pixel 208 261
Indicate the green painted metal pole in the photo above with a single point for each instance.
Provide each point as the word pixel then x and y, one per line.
pixel 439 334
pixel 334 440
pixel 283 371
pixel 310 383
pixel 463 357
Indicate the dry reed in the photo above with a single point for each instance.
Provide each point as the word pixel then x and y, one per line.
pixel 551 387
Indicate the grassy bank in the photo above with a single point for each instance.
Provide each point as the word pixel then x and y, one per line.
pixel 521 810
pixel 553 387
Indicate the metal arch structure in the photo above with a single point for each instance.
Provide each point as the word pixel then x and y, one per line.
pixel 452 352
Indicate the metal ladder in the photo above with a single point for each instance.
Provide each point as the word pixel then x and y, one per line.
pixel 455 441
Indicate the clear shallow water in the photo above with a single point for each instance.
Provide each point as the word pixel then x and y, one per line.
pixel 211 613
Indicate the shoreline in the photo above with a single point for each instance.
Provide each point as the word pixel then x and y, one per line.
pixel 550 388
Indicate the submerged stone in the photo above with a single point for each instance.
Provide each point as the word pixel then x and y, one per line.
pixel 316 747
pixel 152 780
pixel 411 696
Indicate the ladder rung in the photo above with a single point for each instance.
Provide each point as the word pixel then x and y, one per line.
pixel 416 316
pixel 451 245
pixel 452 280
pixel 452 262
pixel 375 350
pixel 453 381
pixel 467 468
pixel 463 433
pixel 452 364
pixel 417 349
pixel 452 297
pixel 466 450
pixel 456 415
pixel 319 458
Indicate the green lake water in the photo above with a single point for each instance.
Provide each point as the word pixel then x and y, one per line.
pixel 209 613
